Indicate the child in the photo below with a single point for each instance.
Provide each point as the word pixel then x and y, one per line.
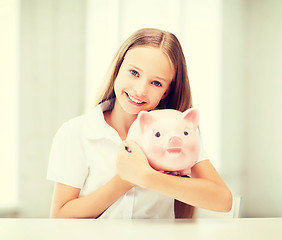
pixel 96 175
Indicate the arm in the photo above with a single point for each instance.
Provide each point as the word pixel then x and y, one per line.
pixel 66 203
pixel 206 189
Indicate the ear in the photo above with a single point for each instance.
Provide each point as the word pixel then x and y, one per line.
pixel 191 114
pixel 145 119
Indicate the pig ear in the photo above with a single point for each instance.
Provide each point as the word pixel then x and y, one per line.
pixel 191 114
pixel 145 120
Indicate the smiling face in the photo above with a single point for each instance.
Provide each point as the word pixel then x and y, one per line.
pixel 143 79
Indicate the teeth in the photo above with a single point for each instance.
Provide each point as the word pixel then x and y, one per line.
pixel 133 99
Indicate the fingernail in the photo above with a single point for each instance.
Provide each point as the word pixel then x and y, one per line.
pixel 127 149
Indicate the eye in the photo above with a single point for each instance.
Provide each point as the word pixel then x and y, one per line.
pixel 157 134
pixel 157 84
pixel 186 133
pixel 134 73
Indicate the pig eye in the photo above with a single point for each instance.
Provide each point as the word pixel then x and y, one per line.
pixel 157 134
pixel 186 133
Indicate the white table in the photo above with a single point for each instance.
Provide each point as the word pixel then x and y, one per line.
pixel 41 229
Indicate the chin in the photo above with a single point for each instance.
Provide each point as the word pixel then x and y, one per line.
pixel 130 110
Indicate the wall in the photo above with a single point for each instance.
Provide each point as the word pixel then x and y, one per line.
pixel 51 89
pixel 251 104
pixel 263 159
pixel 233 85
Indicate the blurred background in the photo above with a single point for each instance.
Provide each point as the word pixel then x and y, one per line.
pixel 54 55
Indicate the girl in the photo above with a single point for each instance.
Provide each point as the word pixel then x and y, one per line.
pixel 96 175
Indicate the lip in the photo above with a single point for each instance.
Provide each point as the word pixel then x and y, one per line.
pixel 174 150
pixel 131 99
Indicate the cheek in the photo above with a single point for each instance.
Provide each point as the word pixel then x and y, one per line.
pixel 122 79
pixel 120 85
pixel 155 149
pixel 117 84
pixel 192 146
pixel 156 97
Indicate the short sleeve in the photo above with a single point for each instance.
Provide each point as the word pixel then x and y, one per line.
pixel 202 153
pixel 67 164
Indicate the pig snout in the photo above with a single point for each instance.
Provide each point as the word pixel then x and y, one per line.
pixel 175 142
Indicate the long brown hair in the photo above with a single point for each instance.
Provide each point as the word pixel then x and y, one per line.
pixel 179 95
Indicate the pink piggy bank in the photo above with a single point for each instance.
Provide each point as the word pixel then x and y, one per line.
pixel 168 138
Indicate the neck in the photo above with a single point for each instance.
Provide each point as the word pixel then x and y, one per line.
pixel 120 120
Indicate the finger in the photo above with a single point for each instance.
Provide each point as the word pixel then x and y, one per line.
pixel 133 145
pixel 128 149
pixel 124 146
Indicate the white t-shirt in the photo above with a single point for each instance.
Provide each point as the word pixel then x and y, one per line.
pixel 83 155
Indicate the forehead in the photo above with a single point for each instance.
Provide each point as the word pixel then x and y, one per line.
pixel 150 59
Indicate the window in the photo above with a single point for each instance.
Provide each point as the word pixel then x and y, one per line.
pixel 9 30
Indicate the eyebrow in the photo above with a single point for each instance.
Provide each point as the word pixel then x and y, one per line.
pixel 155 77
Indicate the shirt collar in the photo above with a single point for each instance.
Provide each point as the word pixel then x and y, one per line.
pixel 95 126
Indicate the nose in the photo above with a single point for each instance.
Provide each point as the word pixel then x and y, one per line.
pixel 140 88
pixel 175 142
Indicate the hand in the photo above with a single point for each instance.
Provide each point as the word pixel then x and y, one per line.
pixel 132 163
pixel 127 185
